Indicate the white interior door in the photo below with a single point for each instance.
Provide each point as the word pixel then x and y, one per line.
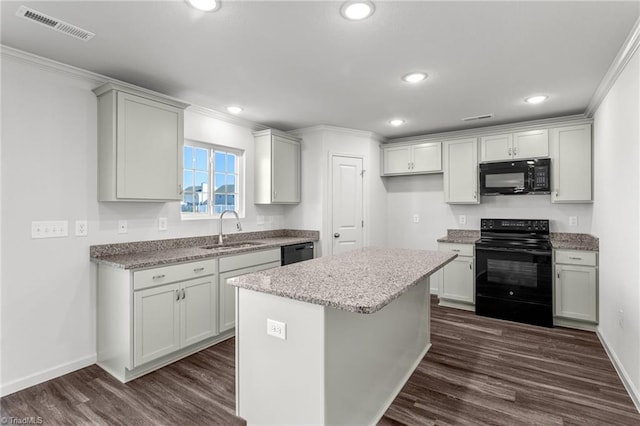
pixel 346 215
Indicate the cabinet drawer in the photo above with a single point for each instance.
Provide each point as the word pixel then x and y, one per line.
pixel 573 257
pixel 168 274
pixel 230 263
pixel 459 249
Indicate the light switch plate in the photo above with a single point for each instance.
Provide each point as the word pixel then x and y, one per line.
pixel 416 218
pixel 49 229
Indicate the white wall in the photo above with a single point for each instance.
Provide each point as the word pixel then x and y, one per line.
pixel 615 219
pixel 424 195
pixel 49 159
pixel 318 143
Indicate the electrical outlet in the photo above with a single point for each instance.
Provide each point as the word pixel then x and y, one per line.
pixel 573 220
pixel 81 228
pixel 122 227
pixel 620 318
pixel 49 229
pixel 462 219
pixel 416 218
pixel 277 329
pixel 162 223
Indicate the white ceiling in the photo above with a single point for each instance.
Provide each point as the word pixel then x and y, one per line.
pixel 294 64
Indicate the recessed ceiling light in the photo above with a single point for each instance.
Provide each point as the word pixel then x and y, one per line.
pixel 415 77
pixel 396 122
pixel 357 10
pixel 234 109
pixel 205 5
pixel 536 99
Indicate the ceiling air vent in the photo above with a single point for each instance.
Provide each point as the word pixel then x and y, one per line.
pixel 478 117
pixel 54 24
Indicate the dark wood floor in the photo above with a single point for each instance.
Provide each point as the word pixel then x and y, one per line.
pixel 479 371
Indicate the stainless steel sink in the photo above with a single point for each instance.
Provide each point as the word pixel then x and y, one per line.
pixel 230 246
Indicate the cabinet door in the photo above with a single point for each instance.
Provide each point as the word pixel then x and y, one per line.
pixel 198 309
pixel 156 321
pixel 427 157
pixel 228 294
pixel 285 170
pixel 496 147
pixel 397 160
pixel 457 282
pixel 571 164
pixel 531 144
pixel 149 149
pixel 461 171
pixel 576 292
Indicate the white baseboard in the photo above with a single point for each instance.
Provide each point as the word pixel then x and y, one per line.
pixel 43 376
pixel 626 380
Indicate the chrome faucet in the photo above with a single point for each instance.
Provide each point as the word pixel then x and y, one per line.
pixel 238 225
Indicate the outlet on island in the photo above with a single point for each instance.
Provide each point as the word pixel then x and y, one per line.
pixel 277 329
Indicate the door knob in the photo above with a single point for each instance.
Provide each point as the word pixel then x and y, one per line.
pixel 336 235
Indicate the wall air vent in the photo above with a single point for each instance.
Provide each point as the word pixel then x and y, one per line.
pixel 54 24
pixel 478 117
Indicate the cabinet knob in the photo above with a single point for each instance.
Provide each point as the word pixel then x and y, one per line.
pixel 158 277
pixel 196 270
pixel 509 152
pixel 409 166
pixel 575 258
pixel 177 295
pixel 471 266
pixel 183 294
pixel 336 235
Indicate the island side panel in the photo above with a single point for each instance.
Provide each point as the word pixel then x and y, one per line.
pixel 279 381
pixel 369 357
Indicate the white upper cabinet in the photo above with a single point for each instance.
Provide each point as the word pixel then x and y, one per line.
pixel 460 160
pixel 277 166
pixel 412 159
pixel 514 146
pixel 140 142
pixel 571 164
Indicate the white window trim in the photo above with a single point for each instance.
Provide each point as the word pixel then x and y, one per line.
pixel 239 182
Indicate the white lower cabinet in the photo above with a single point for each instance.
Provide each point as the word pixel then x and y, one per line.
pixel 234 266
pixel 458 280
pixel 575 287
pixel 173 316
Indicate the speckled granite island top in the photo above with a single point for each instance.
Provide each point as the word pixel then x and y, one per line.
pixel 361 281
pixel 147 254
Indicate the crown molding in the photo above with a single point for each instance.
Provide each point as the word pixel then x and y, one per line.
pixel 629 47
pixel 336 129
pixel 232 119
pixel 483 131
pixel 98 79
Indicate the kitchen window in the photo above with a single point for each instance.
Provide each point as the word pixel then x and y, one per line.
pixel 211 179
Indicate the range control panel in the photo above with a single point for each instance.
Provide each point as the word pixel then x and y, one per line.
pixel 517 225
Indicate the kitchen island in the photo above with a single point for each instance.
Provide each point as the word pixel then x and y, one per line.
pixel 332 340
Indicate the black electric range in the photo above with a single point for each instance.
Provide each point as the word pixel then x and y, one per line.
pixel 514 271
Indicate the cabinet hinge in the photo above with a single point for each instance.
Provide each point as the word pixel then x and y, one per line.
pixel 362 172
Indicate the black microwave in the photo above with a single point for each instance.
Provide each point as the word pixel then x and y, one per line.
pixel 516 177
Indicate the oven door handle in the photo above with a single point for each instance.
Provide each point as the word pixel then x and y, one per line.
pixel 516 250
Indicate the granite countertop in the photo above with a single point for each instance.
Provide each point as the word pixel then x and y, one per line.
pixel 460 236
pixel 559 240
pixel 571 241
pixel 146 254
pixel 361 281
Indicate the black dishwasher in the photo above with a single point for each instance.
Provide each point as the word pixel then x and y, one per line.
pixel 296 253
